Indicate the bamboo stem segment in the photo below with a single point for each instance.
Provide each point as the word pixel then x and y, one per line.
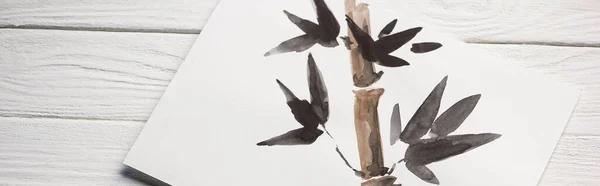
pixel 363 72
pixel 366 123
pixel 366 118
pixel 381 181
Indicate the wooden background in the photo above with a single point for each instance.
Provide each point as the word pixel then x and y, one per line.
pixel 79 78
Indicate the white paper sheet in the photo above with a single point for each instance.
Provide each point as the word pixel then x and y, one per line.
pixel 224 99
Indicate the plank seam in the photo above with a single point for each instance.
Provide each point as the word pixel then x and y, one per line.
pixel 535 43
pixel 102 29
pixel 34 116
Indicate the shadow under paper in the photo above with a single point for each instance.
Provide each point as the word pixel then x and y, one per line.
pixel 139 176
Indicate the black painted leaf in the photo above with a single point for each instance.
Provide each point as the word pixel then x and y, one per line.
pixel 391 61
pixel 289 95
pixel 326 19
pixel 452 118
pixel 421 121
pixel 387 29
pixel 425 47
pixel 395 125
pixel 318 91
pixel 423 173
pixel 431 150
pixel 390 43
pixel 301 136
pixel 360 35
pixel 296 44
pixel 305 25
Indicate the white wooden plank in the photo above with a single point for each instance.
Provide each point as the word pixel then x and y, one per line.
pixel 41 151
pixel 121 76
pixel 179 16
pixel 573 162
pixel 65 152
pixel 86 75
pixel 553 22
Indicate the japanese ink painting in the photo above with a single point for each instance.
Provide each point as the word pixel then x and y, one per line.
pixel 323 92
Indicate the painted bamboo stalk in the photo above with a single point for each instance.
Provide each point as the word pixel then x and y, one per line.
pixel 363 72
pixel 366 123
pixel 366 118
pixel 381 181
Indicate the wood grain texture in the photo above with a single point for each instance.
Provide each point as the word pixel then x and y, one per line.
pixel 65 152
pixel 86 75
pixel 551 22
pixel 574 162
pixel 172 16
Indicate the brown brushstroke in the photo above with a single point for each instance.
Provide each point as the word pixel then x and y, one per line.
pixel 363 72
pixel 366 123
pixel 381 181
